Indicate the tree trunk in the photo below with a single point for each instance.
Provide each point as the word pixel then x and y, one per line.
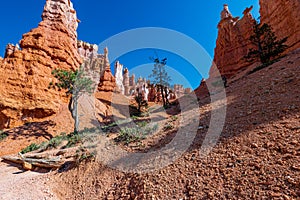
pixel 162 94
pixel 166 96
pixel 75 116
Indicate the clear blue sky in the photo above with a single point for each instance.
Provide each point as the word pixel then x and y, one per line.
pixel 103 19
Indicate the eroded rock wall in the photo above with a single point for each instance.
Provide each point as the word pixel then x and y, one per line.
pixel 25 73
pixel 283 16
pixel 232 43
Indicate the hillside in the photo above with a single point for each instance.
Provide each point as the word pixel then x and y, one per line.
pixel 257 156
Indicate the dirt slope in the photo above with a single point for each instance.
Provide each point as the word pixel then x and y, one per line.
pixel 257 156
pixel 16 184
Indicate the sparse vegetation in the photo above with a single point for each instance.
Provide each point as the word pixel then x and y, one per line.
pixel 31 147
pixel 54 142
pixel 142 124
pixel 135 134
pixel 3 135
pixel 168 126
pixel 86 156
pixel 174 118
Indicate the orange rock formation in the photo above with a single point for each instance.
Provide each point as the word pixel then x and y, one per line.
pixel 232 43
pixel 107 80
pixel 25 73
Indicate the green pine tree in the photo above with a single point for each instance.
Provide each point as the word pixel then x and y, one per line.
pixel 267 47
pixel 161 78
pixel 76 84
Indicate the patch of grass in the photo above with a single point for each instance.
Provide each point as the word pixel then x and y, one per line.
pixel 73 140
pixel 142 124
pixel 87 156
pixel 128 135
pixel 3 135
pixel 134 117
pixel 54 142
pixel 31 147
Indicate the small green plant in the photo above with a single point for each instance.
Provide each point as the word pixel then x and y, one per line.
pixel 135 134
pixel 168 126
pixel 56 141
pixel 107 127
pixel 174 118
pixel 31 147
pixel 129 135
pixel 142 124
pixel 73 140
pixel 87 156
pixel 3 135
pixel 134 117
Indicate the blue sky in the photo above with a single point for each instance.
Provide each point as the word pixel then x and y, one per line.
pixel 103 19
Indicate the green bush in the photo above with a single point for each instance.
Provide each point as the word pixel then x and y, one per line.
pixel 168 126
pixel 56 141
pixel 142 123
pixel 135 134
pixel 73 140
pixel 3 135
pixel 31 147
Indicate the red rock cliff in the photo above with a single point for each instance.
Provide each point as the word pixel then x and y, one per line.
pixel 232 43
pixel 25 73
pixel 283 16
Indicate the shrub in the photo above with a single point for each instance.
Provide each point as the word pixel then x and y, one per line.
pixel 3 135
pixel 168 126
pixel 31 147
pixel 135 134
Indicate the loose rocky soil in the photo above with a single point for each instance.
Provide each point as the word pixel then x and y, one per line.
pixel 257 156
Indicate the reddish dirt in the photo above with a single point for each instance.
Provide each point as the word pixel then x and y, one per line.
pixel 257 156
pixel 36 132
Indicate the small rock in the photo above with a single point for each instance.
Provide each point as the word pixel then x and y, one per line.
pixel 27 166
pixel 254 145
pixel 296 167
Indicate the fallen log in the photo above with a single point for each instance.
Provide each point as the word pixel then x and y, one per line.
pixel 67 153
pixel 56 162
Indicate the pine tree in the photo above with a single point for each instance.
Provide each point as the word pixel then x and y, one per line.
pixel 76 84
pixel 161 78
pixel 140 101
pixel 268 47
